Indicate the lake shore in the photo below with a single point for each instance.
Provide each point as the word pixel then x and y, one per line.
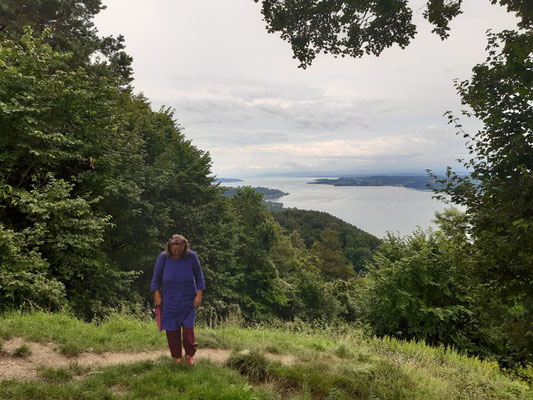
pixel 375 209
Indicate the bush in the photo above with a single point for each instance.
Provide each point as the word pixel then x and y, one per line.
pixel 418 289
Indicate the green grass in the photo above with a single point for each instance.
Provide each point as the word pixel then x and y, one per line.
pixel 22 351
pixel 330 364
pixel 161 379
pixel 72 336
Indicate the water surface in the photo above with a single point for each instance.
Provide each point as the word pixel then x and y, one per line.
pixel 375 209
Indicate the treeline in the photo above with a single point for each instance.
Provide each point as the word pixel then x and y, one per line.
pixel 93 182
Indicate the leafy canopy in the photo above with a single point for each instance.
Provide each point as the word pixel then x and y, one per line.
pixel 357 27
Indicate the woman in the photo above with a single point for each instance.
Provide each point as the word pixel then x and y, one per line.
pixel 178 274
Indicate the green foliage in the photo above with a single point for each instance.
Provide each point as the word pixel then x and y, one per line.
pixel 356 244
pixel 260 287
pixel 499 191
pixel 356 28
pixel 24 280
pixel 305 289
pixel 315 301
pixel 417 288
pixel 63 231
pixel 343 28
pixel 72 30
pixel 331 260
pixel 52 120
pixel 94 181
pixel 348 295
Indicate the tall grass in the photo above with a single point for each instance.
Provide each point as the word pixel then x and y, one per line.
pixel 162 379
pixel 118 332
pixel 325 364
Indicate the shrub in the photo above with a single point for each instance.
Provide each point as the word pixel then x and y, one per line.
pixel 418 289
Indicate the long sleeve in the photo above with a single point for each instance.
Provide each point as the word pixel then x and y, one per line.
pixel 197 272
pixel 157 278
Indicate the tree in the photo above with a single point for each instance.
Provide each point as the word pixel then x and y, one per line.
pixel 260 287
pixel 331 260
pixel 419 287
pixel 24 279
pixel 498 193
pixel 53 120
pixel 309 297
pixel 354 28
pixel 56 255
pixel 54 125
pixel 72 31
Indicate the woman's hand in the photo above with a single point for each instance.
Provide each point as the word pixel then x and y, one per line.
pixel 157 298
pixel 197 299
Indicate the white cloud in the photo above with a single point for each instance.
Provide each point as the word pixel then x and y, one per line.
pixel 240 96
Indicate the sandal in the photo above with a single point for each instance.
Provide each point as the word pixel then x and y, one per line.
pixel 190 360
pixel 178 360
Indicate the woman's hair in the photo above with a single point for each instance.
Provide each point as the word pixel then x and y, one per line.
pixel 177 239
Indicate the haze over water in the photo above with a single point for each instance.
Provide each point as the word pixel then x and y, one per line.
pixel 375 209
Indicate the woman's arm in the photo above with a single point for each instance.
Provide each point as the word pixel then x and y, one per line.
pixel 198 299
pixel 200 282
pixel 157 278
pixel 157 298
pixel 198 275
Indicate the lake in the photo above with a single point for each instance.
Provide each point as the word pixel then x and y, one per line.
pixel 375 209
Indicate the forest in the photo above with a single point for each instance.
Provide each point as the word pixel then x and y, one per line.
pixel 93 181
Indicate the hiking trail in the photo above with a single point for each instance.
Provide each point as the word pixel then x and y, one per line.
pixel 48 356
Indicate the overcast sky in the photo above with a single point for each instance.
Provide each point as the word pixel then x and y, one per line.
pixel 240 95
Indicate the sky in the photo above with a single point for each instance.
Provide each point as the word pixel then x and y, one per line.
pixel 238 93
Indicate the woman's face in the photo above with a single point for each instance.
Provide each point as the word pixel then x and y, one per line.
pixel 177 249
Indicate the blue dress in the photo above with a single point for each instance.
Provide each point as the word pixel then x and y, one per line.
pixel 179 280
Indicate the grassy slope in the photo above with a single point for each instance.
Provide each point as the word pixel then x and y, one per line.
pixel 330 365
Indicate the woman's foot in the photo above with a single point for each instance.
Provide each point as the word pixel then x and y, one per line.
pixel 190 360
pixel 178 360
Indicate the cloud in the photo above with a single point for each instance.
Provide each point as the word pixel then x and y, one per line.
pixel 240 95
pixel 421 149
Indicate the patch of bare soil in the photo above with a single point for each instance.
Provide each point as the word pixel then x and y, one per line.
pixel 47 355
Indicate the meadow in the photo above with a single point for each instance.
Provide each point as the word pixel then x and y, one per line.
pixel 325 363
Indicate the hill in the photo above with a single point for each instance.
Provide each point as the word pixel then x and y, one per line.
pixel 356 244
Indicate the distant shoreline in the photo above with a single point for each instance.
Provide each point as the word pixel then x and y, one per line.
pixel 410 182
pixel 268 194
pixel 224 180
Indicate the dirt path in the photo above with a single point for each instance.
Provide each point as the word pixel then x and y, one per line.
pixel 12 367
